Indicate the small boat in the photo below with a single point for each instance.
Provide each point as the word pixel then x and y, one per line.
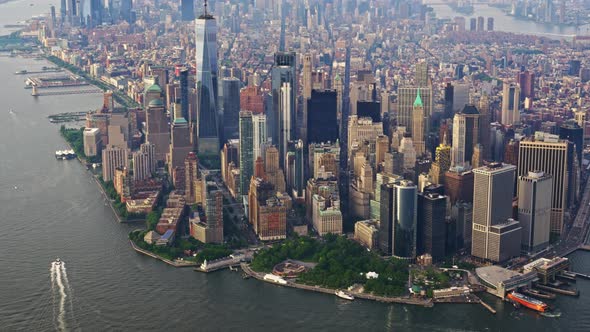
pixel 341 294
pixel 15 187
pixel 11 111
pixel 57 261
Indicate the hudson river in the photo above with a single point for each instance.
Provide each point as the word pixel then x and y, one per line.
pixel 51 208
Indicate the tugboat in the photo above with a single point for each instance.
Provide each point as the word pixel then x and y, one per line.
pixel 341 294
pixel 528 302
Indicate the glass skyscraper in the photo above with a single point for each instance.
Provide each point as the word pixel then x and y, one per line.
pixel 206 51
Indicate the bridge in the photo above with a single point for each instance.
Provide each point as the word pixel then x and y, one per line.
pixel 440 3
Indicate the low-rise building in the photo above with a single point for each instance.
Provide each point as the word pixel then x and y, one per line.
pixel 366 233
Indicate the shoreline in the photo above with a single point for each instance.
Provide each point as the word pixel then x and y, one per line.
pixel 429 303
pixel 158 257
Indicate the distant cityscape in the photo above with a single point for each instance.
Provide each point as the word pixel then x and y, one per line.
pixel 445 156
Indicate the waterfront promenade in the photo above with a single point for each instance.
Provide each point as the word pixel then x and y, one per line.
pixel 175 263
pixel 400 300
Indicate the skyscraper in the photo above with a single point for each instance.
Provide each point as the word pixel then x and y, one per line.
pixel 187 10
pixel 495 236
pixel 405 106
pixel 465 136
pixel 431 224
pixel 549 154
pixel 231 107
pixel 442 162
pixel 112 158
pixel 526 80
pixel 284 93
pixel 184 104
pixel 418 125
pixel 246 151
pixel 322 117
pixel 259 131
pixel 422 78
pixel 510 103
pixel 404 220
pixel 157 129
pixel 206 57
pixel 180 145
pixel 534 210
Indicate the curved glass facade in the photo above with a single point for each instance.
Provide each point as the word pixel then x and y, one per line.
pixel 405 222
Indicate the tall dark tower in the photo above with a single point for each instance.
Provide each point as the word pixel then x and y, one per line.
pixel 206 56
pixel 187 10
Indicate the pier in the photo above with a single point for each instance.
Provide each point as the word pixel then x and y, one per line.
pixel 584 276
pixel 487 306
pixel 219 264
pixel 36 93
pixel 570 292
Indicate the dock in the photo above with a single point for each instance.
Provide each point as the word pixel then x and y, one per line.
pixel 487 306
pixel 584 276
pixel 220 264
pixel 570 292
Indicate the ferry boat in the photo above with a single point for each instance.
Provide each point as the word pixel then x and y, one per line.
pixel 65 154
pixel 274 279
pixel 341 294
pixel 528 302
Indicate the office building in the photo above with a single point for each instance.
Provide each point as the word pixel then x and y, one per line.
pixel 157 129
pixel 405 106
pixel 361 130
pixel 246 150
pixel 422 77
pixel 184 95
pixel 150 151
pixel 493 227
pixel 442 162
pixel 551 155
pixel 284 94
pixel 326 215
pixel 193 185
pixel 404 224
pixel 113 158
pixel 459 184
pixel 322 117
pixel 180 145
pixel 266 212
pixel 259 132
pixel 418 121
pixel 274 174
pixel 187 10
pixel 141 166
pixel 92 142
pixel 231 108
pixel 206 59
pixel 366 232
pixel 574 133
pixel 534 210
pixel 465 136
pixel 460 97
pixel 431 234
pixel 526 81
pixel 510 103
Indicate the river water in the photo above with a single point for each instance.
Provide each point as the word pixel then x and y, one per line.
pixel 51 208
pixel 503 22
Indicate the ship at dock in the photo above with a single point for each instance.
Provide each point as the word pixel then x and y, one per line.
pixel 528 302
pixel 65 154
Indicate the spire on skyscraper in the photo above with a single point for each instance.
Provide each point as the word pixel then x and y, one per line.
pixel 418 101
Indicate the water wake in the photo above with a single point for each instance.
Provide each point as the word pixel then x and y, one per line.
pixel 61 290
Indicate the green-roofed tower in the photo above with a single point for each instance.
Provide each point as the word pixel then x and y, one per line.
pixel 418 101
